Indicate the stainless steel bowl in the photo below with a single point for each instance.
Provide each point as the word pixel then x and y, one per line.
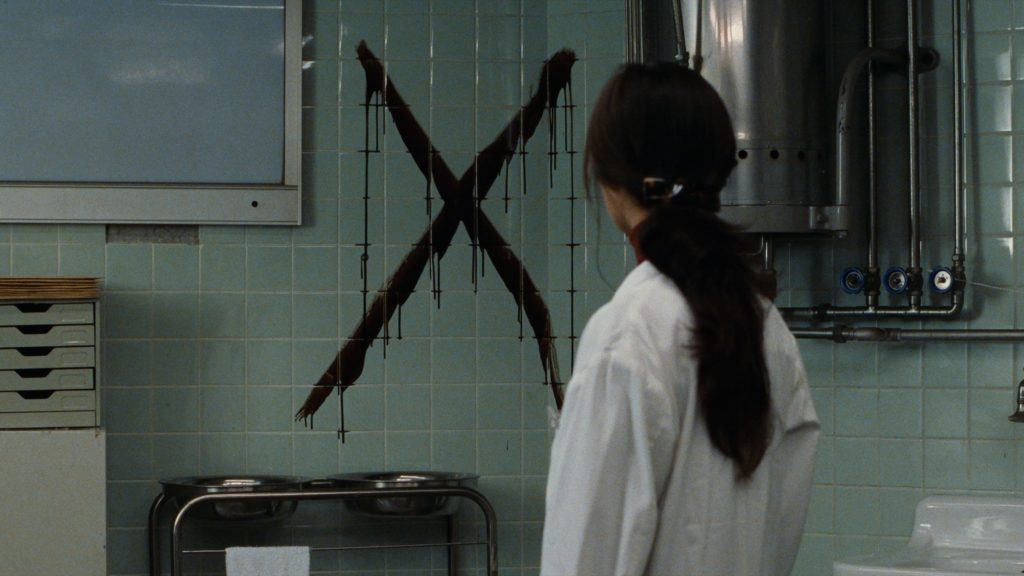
pixel 181 490
pixel 403 505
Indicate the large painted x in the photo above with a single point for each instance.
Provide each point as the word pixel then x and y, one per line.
pixel 459 207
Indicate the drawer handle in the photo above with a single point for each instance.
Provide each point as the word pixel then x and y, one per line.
pixel 33 308
pixel 34 329
pixel 35 350
pixel 35 394
pixel 34 372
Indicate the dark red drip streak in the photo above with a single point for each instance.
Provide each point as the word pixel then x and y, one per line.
pixel 461 205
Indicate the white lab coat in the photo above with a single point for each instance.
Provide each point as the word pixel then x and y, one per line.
pixel 635 485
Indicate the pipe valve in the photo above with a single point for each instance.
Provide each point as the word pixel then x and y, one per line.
pixel 896 280
pixel 941 280
pixel 852 280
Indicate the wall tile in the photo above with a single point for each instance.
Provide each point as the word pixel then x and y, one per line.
pixel 75 260
pixel 34 260
pixel 268 454
pixel 408 450
pixel 857 413
pixel 176 409
pixel 315 316
pixel 222 268
pixel 500 407
pixel 269 362
pixel 454 451
pixel 945 413
pixel 175 267
pixel 129 267
pixel 857 509
pixel 126 363
pixel 454 407
pixel 175 315
pixel 315 454
pixel 408 407
pixel 856 461
pixel 221 315
pixel 222 362
pixel 365 408
pixel 268 409
pixel 222 409
pixel 901 462
pixel 269 268
pixel 175 455
pixel 175 363
pixel 897 506
pixel 899 412
pixel 268 315
pixel 500 452
pixel 992 465
pixel 946 463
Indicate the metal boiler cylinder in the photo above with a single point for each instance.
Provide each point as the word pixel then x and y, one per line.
pixel 767 59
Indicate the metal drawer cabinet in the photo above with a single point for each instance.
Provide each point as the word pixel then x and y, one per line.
pixel 49 364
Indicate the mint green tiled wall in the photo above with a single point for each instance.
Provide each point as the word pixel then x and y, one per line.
pixel 903 421
pixel 900 421
pixel 209 349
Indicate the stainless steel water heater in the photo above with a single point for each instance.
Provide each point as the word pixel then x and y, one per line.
pixel 767 59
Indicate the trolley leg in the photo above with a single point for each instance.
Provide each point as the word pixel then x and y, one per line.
pixel 154 535
pixel 453 557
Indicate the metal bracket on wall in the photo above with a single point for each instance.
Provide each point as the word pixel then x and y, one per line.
pixel 787 219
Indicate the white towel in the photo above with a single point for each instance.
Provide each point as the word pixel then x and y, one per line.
pixel 267 561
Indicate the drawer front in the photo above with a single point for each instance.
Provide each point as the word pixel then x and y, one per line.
pixel 24 420
pixel 42 336
pixel 54 401
pixel 45 314
pixel 46 379
pixel 31 358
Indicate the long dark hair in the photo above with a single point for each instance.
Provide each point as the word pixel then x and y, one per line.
pixel 662 134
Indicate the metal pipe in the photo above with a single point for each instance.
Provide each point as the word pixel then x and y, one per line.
pixel 871 294
pixel 852 73
pixel 850 334
pixel 629 31
pixel 769 252
pixel 914 270
pixel 682 56
pixel 827 312
pixel 698 57
pixel 959 195
pixel 154 534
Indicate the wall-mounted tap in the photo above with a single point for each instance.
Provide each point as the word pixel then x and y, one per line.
pixel 1018 414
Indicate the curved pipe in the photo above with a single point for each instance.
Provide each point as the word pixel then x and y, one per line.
pixel 854 70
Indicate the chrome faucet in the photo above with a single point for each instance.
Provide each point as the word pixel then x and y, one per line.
pixel 1018 414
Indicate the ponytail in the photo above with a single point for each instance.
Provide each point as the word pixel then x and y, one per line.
pixel 701 254
pixel 661 134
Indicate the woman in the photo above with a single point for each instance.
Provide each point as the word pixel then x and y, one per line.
pixel 686 445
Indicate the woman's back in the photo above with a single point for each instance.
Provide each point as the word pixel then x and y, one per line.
pixel 640 488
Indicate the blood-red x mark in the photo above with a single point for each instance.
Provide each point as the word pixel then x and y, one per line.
pixel 460 206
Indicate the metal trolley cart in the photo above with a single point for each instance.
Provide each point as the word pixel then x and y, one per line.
pixel 318 491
